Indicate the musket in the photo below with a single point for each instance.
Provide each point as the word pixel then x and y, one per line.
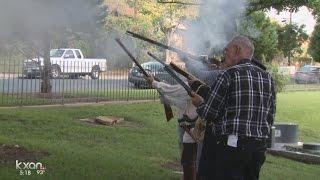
pixel 172 74
pixel 201 87
pixel 184 85
pixel 179 51
pixel 167 108
pixel 183 72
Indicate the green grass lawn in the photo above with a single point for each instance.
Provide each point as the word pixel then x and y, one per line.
pixel 301 108
pixel 81 151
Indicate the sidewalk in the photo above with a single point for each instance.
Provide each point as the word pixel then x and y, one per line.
pixel 102 76
pixel 83 104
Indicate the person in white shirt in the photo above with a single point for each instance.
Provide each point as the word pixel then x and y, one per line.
pixel 177 96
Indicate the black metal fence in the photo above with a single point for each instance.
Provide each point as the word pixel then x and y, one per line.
pixel 22 82
pixel 293 85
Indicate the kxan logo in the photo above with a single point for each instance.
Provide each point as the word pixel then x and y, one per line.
pixel 29 165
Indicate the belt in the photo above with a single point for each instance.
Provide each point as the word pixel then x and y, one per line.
pixel 252 139
pixel 242 140
pixel 185 118
pixel 187 122
pixel 189 126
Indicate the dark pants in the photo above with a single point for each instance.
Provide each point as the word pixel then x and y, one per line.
pixel 243 162
pixel 189 154
pixel 188 161
pixel 207 158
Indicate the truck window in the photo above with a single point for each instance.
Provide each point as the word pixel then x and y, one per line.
pixel 69 54
pixel 56 52
pixel 78 54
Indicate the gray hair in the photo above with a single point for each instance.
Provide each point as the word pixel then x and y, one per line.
pixel 245 43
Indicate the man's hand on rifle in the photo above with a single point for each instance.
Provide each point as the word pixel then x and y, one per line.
pixel 150 79
pixel 213 66
pixel 196 99
pixel 192 79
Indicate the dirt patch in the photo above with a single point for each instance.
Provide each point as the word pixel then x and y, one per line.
pixel 175 166
pixel 10 153
pixel 114 122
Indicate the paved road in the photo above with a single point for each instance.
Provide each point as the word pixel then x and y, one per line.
pixel 19 85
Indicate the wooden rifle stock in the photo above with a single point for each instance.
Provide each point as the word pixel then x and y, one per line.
pixel 183 72
pixel 199 86
pixel 167 108
pixel 190 133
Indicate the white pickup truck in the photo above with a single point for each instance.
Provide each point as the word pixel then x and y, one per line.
pixel 66 62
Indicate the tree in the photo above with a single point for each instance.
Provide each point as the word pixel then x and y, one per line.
pixel 151 18
pixel 41 22
pixel 284 5
pixel 291 37
pixel 263 34
pixel 314 46
pixel 280 5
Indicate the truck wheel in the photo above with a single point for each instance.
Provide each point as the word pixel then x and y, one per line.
pixel 95 72
pixel 55 71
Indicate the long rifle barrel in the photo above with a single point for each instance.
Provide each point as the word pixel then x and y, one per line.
pixel 172 74
pixel 167 108
pixel 179 51
pixel 132 58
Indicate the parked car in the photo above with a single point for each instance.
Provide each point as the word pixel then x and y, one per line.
pixel 69 62
pixel 307 74
pixel 32 68
pixel 152 67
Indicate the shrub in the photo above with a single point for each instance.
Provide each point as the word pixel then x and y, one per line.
pixel 279 78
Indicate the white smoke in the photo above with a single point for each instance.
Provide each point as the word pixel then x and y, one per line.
pixel 31 19
pixel 215 26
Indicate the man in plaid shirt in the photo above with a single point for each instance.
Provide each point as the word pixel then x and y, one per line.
pixel 241 105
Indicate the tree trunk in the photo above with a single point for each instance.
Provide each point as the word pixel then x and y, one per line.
pixel 289 59
pixel 169 36
pixel 45 78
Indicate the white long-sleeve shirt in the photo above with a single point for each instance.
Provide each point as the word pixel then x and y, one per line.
pixel 178 97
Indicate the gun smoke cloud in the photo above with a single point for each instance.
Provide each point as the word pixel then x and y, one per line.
pixel 215 26
pixel 32 20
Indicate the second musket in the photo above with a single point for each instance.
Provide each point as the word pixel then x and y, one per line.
pixel 184 73
pixel 135 35
pixel 172 74
pixel 167 108
pixel 203 58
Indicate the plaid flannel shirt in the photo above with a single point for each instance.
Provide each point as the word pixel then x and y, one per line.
pixel 241 102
